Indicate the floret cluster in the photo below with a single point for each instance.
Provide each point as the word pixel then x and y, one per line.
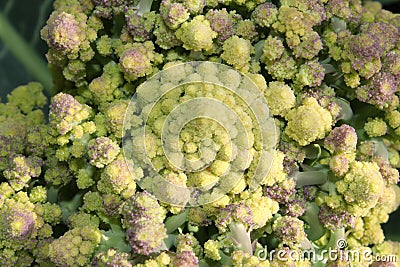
pixel 266 124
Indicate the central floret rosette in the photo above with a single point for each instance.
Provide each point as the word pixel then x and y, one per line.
pixel 199 130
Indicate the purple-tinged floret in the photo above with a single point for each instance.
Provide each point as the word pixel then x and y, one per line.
pixel 185 259
pixel 311 74
pixel 111 258
pixel 145 236
pixel 235 212
pixel 289 230
pixel 173 14
pixel 137 60
pixel 387 35
pixel 140 26
pixel 143 218
pixel 364 48
pixel 222 23
pixel 341 139
pixel 309 193
pixel 333 219
pixel 391 63
pixel 309 46
pixel 379 91
pixel 383 264
pixel 389 174
pixel 338 8
pixel 20 223
pixel 294 155
pixel 63 32
pixel 112 3
pixel 265 15
pixel 66 112
pixel 294 208
pixel 111 204
pixel 21 170
pixel 102 151
pixel 281 193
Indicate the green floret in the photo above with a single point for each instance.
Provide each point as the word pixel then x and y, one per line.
pixel 21 170
pixel 197 34
pixel 393 118
pixel 105 87
pixel 118 178
pixel 241 258
pixel 310 74
pixel 375 127
pixel 165 37
pixel 211 249
pixel 247 30
pixel 27 97
pixel 38 194
pixel 291 21
pixel 82 219
pixel 187 242
pixel 282 68
pixel 361 187
pixel 280 98
pixel 114 119
pixel 308 46
pixel 51 213
pixel 237 53
pixel 308 122
pixel 273 49
pixel 76 247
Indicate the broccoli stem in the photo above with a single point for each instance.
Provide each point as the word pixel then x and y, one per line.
pixel 336 236
pixel 316 230
pixel 176 221
pixel 144 6
pixel 310 178
pixel 241 237
pixel 25 54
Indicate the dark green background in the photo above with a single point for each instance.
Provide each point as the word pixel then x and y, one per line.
pixel 28 17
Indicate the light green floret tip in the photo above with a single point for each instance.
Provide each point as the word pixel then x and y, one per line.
pixel 81 219
pixel 38 194
pixel 117 178
pixel 375 127
pixel 197 34
pixel 280 98
pixel 115 117
pixel 273 49
pixel 105 87
pixel 361 187
pixel 393 118
pixel 237 53
pixel 211 250
pixel 27 97
pixel 308 122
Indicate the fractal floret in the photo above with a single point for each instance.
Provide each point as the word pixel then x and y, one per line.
pixel 206 133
